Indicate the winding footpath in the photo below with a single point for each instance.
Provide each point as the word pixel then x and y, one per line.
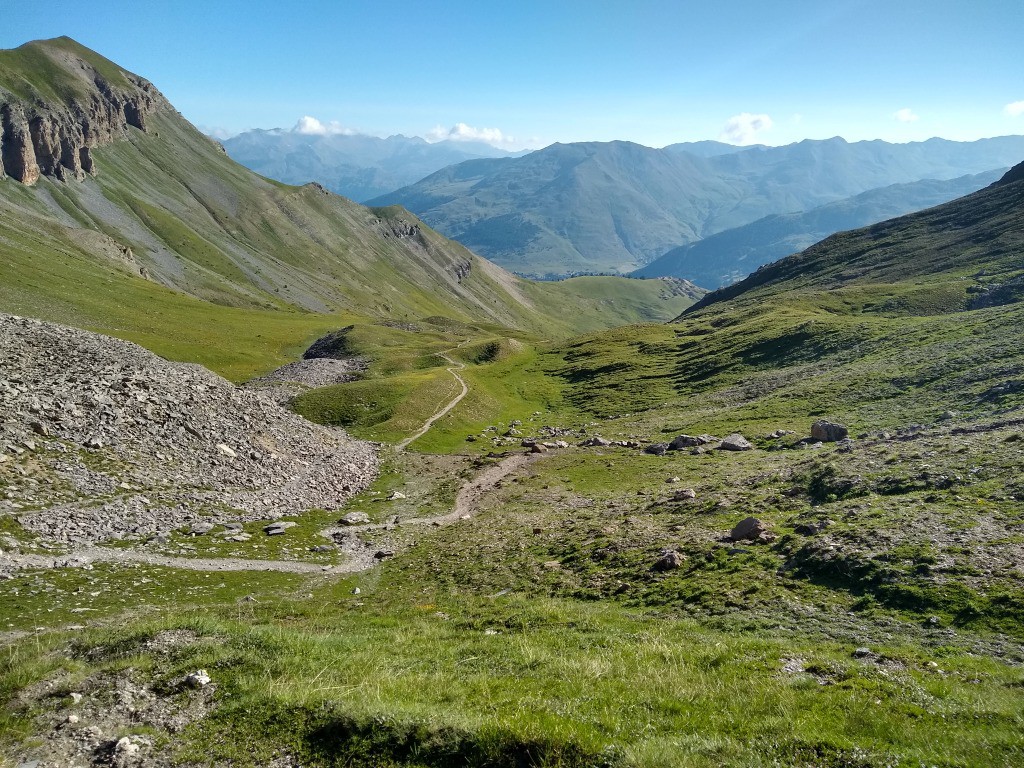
pixel 453 370
pixel 359 555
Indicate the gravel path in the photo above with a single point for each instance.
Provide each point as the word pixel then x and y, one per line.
pixel 360 555
pixel 81 557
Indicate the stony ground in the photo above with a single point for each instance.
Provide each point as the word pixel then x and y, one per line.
pixel 102 440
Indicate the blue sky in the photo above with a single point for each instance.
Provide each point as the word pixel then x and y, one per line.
pixel 531 73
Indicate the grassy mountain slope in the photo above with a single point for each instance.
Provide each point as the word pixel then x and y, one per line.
pixel 570 206
pixel 878 325
pixel 617 205
pixel 169 218
pixel 731 255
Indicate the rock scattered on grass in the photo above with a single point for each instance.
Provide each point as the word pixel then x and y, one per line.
pixel 735 442
pixel 278 528
pixel 669 560
pixel 750 529
pixel 354 518
pixel 828 431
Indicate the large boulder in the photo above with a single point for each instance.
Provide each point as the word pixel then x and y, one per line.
pixel 735 442
pixel 689 441
pixel 669 560
pixel 749 529
pixel 828 431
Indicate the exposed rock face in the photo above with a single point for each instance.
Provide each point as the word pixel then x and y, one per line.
pixel 56 138
pixel 399 228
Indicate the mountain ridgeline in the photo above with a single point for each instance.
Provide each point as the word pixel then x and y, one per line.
pixel 618 206
pixel 116 213
pixel 357 166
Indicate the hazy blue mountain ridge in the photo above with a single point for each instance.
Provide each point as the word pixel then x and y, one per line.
pixel 729 256
pixel 354 165
pixel 618 206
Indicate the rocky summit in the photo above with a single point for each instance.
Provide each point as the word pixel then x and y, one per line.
pixel 55 137
pixel 126 444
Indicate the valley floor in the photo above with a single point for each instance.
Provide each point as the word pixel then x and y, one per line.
pixel 504 604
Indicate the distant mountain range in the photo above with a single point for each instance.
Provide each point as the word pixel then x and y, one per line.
pixel 731 255
pixel 618 206
pixel 354 165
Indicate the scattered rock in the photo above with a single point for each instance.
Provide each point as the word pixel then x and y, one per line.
pixel 669 560
pixel 595 442
pixel 828 431
pixel 276 529
pixel 689 441
pixel 685 494
pixel 197 679
pixel 657 449
pixel 201 528
pixel 354 518
pixel 126 752
pixel 735 442
pixel 810 529
pixel 748 529
pixel 862 653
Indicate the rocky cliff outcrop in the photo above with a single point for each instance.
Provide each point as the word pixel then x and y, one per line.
pixel 55 136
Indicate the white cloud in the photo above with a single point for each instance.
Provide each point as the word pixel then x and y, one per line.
pixel 1014 108
pixel 310 126
pixel 906 115
pixel 217 133
pixel 463 132
pixel 743 128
